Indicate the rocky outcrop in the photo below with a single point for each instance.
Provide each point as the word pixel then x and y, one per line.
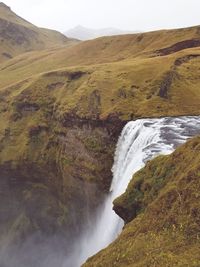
pixel 179 61
pixel 178 47
pixel 166 84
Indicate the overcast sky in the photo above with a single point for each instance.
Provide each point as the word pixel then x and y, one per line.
pixel 139 15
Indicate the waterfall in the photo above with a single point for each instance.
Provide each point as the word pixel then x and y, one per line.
pixel 140 140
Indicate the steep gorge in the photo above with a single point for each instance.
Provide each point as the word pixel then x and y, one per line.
pixel 61 112
pixel 57 177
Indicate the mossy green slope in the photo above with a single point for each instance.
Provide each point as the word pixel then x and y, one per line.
pixel 161 205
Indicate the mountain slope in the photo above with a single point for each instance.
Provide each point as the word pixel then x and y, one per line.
pixel 61 111
pixel 130 48
pixel 82 33
pixel 132 88
pixel 18 36
pixel 162 206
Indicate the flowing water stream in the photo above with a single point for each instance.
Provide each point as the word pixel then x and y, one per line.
pixel 140 140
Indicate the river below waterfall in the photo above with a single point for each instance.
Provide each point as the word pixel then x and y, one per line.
pixel 140 140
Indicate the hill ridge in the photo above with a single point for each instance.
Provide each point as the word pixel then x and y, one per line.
pixel 17 35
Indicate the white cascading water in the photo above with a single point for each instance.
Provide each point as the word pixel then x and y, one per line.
pixel 140 140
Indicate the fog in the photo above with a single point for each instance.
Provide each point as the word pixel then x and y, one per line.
pixel 57 250
pixel 36 251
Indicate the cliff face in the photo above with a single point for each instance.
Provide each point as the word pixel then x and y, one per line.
pixel 161 211
pixel 54 169
pixel 55 165
pixel 61 112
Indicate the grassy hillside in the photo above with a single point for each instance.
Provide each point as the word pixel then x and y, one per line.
pixel 52 99
pixel 118 48
pixel 62 109
pixel 18 36
pixel 157 86
pixel 150 74
pixel 161 205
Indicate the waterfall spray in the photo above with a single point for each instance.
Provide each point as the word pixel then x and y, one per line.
pixel 140 140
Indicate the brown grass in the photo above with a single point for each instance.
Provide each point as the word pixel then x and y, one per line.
pixel 163 199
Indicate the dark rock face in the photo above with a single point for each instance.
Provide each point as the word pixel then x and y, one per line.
pixel 2 5
pixel 18 35
pixel 7 55
pixel 26 106
pixel 76 75
pixel 127 214
pixel 71 75
pixel 171 75
pixel 178 46
pixel 54 86
pixel 94 103
pixel 182 60
pixel 166 84
pixel 112 124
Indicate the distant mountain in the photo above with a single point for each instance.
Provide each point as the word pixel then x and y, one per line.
pixel 82 33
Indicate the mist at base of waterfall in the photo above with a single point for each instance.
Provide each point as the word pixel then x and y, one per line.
pixel 31 253
pixel 140 140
